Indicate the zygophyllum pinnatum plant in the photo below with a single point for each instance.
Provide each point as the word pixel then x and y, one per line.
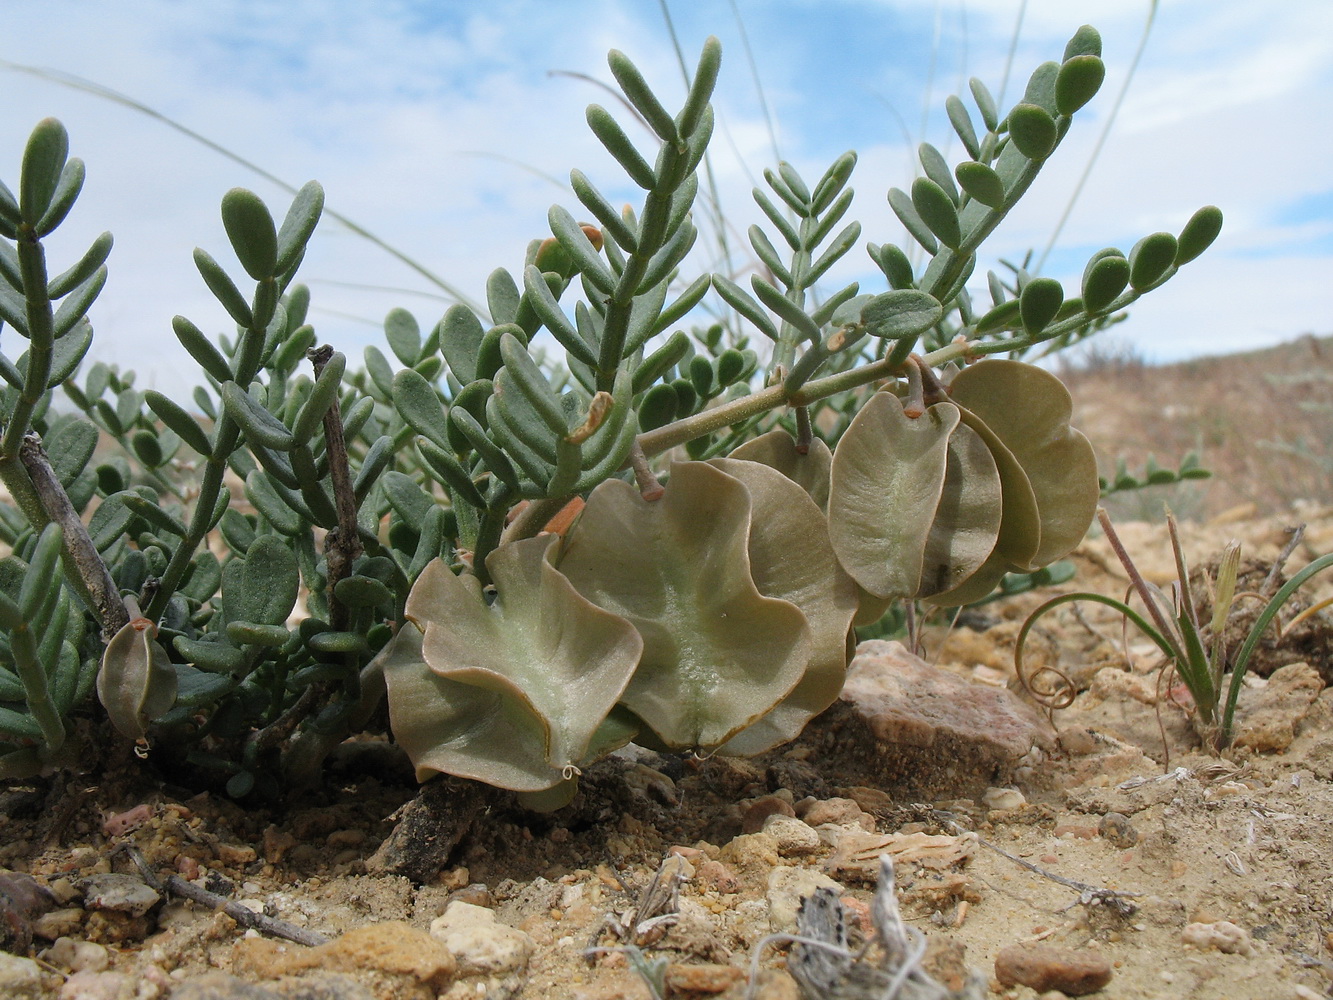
pixel 890 448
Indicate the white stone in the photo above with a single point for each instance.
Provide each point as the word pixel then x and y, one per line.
pixel 77 956
pixel 1223 935
pixel 20 978
pixel 1003 798
pixel 480 944
pixel 793 835
pixel 786 888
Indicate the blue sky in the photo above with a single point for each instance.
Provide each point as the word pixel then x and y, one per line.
pixel 439 126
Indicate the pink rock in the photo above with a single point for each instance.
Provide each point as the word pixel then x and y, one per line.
pixel 1074 973
pixel 131 819
pixel 925 732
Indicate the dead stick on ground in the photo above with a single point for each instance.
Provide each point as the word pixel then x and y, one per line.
pixel 243 915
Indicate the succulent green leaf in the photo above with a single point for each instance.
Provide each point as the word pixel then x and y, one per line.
pixel 617 143
pixel 985 104
pixel 404 336
pixel 832 183
pixel 147 449
pixel 655 365
pixel 136 682
pixel 1028 410
pixel 524 374
pixel 260 426
pixel 894 263
pixel 901 313
pixel 792 559
pixel 1039 302
pixel 658 406
pixel 1198 234
pixel 902 206
pixel 69 352
pixel 418 402
pixel 412 503
pixel 181 423
pixel 576 243
pixel 701 87
pixel 967 521
pixel 1032 130
pixel 1103 280
pixel 962 124
pixel 1150 259
pixel 256 634
pixel 451 472
pixel 502 298
pixel 201 349
pixel 77 303
pixel 70 448
pixel 298 226
pixel 460 341
pixel 362 592
pixel 95 256
pixel 279 508
pixel 717 654
pixel 223 288
pixel 510 693
pixel 215 656
pixel 740 300
pixel 153 512
pixel 322 396
pixel 1079 80
pixel 251 231
pixel 887 475
pixel 544 304
pixel 981 183
pixel 262 586
pixel 43 163
pixel 937 210
pixel 1087 41
pixel 641 96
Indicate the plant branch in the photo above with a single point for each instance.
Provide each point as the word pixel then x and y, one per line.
pixel 84 566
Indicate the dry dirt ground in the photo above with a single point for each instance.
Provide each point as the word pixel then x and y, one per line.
pixel 1219 868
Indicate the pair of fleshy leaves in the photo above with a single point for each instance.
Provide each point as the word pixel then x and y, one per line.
pixel 714 617
pixel 940 507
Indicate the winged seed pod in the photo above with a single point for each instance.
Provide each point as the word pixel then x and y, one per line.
pixel 940 507
pixel 511 693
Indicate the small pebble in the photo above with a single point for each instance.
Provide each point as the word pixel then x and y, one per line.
pixel 1223 935
pixel 1003 798
pixel 702 978
pixel 1041 967
pixel 480 944
pixel 77 956
pixel 718 877
pixel 793 836
pixel 104 986
pixel 20 978
pixel 1116 829
pixel 121 893
pixel 842 812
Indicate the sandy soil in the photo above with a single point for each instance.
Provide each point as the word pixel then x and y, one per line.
pixel 1128 803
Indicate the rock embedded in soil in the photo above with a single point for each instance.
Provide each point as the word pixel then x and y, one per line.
pixel 415 962
pixel 20 978
pixel 1223 935
pixel 923 731
pixel 1269 722
pixel 119 893
pixel 1074 972
pixel 480 944
pixel 786 888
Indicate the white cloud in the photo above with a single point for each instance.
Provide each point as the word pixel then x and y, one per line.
pixel 388 110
